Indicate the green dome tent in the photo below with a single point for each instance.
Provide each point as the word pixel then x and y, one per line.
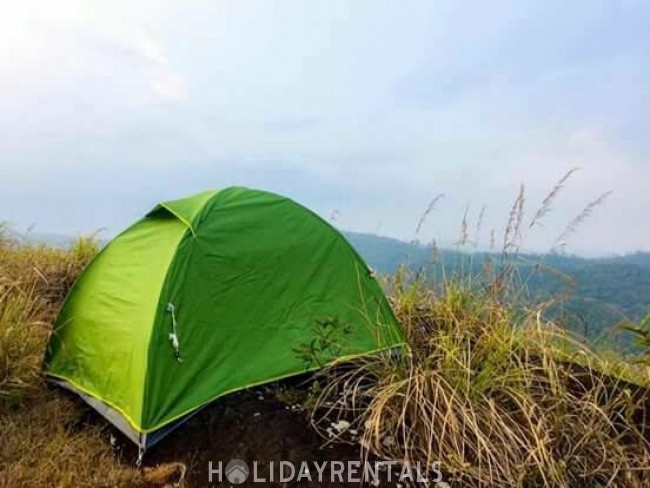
pixel 207 295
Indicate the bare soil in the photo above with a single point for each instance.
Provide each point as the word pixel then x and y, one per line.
pixel 251 425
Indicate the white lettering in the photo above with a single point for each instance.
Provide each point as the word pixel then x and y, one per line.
pixel 406 473
pixel 303 472
pixel 337 472
pixel 212 471
pixel 257 479
pixel 389 469
pixel 320 469
pixel 435 469
pixel 292 469
pixel 370 474
pixel 353 472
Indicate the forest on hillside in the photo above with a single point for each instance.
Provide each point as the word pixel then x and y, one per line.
pixel 591 296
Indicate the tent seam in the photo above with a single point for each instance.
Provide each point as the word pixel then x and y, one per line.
pixel 179 217
pixel 156 318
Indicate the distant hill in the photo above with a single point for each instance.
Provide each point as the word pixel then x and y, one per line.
pixel 600 292
pixel 387 253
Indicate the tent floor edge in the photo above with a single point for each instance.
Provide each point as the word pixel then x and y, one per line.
pixel 143 440
pixel 150 439
pixel 113 416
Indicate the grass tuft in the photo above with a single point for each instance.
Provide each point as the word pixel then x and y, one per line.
pixel 497 395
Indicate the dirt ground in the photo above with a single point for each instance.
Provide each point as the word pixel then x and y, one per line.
pixel 251 425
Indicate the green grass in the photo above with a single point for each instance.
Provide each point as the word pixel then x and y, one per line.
pixel 497 395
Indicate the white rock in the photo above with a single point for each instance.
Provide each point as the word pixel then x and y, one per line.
pixel 388 441
pixel 341 426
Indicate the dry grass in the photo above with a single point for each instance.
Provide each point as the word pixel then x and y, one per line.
pixel 34 280
pixel 561 242
pixel 43 446
pixel 488 388
pixel 494 394
pixel 42 441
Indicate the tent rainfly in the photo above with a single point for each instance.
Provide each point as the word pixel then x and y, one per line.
pixel 208 295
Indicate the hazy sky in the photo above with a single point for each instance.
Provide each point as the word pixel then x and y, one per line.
pixel 370 108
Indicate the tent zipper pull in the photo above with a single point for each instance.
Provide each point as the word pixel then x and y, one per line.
pixel 173 336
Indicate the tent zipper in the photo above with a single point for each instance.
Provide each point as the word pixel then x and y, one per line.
pixel 173 336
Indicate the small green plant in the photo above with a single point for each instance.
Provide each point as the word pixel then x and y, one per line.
pixel 328 341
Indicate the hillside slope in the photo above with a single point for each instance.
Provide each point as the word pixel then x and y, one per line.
pixel 597 293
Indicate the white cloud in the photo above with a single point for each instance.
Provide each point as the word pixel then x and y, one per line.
pixel 360 106
pixel 170 86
